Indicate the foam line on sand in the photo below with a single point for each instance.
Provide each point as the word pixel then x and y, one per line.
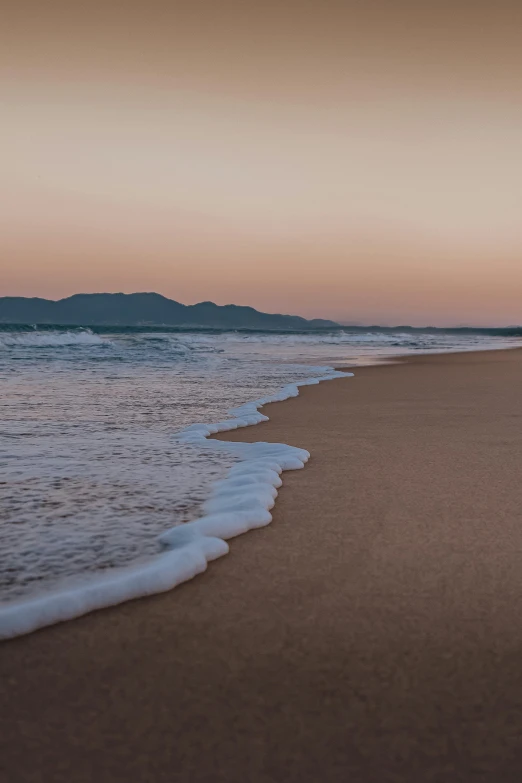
pixel 240 502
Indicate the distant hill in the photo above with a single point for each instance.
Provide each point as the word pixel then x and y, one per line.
pixel 145 309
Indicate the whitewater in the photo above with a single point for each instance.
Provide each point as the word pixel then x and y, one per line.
pixel 109 486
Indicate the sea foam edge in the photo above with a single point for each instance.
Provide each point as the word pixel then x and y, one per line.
pixel 240 502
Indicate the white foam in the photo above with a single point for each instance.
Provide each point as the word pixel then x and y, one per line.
pixel 50 339
pixel 240 502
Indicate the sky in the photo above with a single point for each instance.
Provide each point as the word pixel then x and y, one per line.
pixel 360 161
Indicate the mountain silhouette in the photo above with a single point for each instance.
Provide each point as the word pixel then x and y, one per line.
pixel 144 309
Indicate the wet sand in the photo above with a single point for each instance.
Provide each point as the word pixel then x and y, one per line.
pixel 372 633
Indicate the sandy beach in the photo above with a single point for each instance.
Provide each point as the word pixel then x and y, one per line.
pixel 371 633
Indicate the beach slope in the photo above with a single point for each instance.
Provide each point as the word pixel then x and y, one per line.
pixel 372 633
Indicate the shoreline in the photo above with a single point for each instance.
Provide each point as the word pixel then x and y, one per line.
pixel 192 546
pixel 237 504
pixel 371 632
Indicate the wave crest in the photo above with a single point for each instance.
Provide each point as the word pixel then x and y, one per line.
pixel 51 339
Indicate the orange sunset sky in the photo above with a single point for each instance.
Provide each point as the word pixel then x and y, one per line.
pixel 354 160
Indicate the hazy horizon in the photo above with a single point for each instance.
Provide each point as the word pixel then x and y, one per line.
pixel 354 161
pixel 340 322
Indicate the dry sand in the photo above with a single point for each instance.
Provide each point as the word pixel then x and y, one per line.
pixel 373 632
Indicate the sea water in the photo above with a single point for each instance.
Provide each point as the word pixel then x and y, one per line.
pixel 100 458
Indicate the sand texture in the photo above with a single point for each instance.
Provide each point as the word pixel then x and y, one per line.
pixel 372 633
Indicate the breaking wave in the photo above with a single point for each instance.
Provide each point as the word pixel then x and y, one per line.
pixel 49 339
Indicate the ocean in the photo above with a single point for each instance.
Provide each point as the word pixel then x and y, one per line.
pixel 102 464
